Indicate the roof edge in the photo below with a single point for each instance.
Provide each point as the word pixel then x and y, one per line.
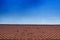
pixel 30 24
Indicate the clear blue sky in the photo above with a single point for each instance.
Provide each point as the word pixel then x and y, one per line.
pixel 29 11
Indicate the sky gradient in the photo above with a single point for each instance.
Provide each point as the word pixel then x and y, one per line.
pixel 29 11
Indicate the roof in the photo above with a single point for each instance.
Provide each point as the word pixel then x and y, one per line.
pixel 29 31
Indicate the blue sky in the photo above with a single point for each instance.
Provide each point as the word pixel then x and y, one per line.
pixel 29 11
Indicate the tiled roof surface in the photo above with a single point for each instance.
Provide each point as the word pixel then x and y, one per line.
pixel 30 32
